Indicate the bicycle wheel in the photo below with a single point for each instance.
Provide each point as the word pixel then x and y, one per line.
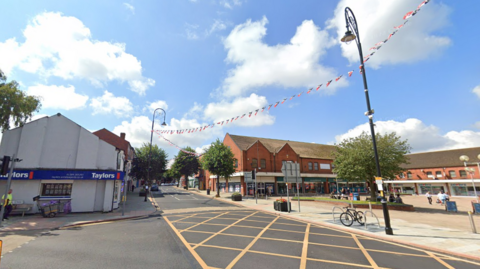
pixel 346 219
pixel 360 217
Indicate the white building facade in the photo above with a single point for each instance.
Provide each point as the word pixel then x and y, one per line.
pixel 62 160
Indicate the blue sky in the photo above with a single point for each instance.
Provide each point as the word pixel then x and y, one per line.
pixel 109 64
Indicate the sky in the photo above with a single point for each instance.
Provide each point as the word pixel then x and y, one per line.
pixel 110 64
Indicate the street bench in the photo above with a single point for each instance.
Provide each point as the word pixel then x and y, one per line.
pixel 18 206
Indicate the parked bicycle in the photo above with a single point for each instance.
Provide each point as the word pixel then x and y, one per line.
pixel 350 215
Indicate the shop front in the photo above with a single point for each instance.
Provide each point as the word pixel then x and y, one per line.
pixel 293 188
pixel 403 188
pixel 265 185
pixel 234 185
pixel 433 188
pixel 315 185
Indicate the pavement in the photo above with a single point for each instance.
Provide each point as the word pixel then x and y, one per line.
pixel 429 226
pixel 134 207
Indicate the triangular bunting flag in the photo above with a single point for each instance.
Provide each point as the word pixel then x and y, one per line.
pixel 319 86
pixel 328 83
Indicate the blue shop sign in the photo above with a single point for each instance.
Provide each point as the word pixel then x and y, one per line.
pixel 65 174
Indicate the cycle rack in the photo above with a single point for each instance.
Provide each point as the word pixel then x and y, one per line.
pixel 371 215
pixel 333 212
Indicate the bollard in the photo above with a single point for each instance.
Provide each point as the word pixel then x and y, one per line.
pixel 370 206
pixel 472 222
pixel 351 203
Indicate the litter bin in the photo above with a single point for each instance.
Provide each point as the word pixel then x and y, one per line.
pixel 355 196
pixel 208 191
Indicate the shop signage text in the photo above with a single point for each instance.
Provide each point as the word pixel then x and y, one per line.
pixel 64 174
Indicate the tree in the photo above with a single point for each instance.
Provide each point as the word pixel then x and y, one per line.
pixel 158 163
pixel 354 158
pixel 220 161
pixel 15 105
pixel 172 175
pixel 186 164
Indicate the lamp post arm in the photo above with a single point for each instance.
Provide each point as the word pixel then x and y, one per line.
pixel 150 151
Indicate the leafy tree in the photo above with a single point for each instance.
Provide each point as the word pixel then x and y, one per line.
pixel 172 175
pixel 354 159
pixel 186 164
pixel 220 161
pixel 158 163
pixel 15 105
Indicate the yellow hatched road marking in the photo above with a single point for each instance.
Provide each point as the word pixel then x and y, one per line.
pixel 200 223
pixel 232 263
pixel 365 252
pixel 195 255
pixel 184 218
pixel 343 263
pixel 215 234
pixel 440 260
pixel 303 261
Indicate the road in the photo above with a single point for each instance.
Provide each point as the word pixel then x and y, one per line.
pixel 193 231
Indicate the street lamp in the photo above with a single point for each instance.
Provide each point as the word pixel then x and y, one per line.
pixel 465 159
pixel 150 152
pixel 351 24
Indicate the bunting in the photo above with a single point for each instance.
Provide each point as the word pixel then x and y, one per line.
pixel 373 50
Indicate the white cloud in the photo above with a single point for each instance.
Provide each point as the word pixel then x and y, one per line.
pixel 284 65
pixel 191 31
pixel 138 130
pixel 109 104
pixel 217 25
pixel 230 3
pixel 194 112
pixel 157 104
pixel 477 125
pixel 224 110
pixel 58 97
pixel 129 7
pixel 62 46
pixel 476 91
pixel 414 42
pixel 421 137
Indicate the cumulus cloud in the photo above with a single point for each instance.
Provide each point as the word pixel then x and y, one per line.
pixel 58 97
pixel 129 7
pixel 191 31
pixel 476 91
pixel 138 131
pixel 217 25
pixel 224 110
pixel 157 104
pixel 230 3
pixel 285 65
pixel 62 46
pixel 421 137
pixel 109 104
pixel 415 41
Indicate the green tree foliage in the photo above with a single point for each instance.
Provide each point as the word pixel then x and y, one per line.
pixel 15 105
pixel 220 161
pixel 186 164
pixel 172 175
pixel 158 163
pixel 355 158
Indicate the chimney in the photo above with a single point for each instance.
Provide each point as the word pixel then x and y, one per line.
pixel 122 136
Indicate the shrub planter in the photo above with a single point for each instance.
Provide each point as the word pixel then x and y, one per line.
pixel 236 196
pixel 281 206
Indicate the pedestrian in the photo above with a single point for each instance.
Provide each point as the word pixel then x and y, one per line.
pixel 447 197
pixel 398 200
pixel 7 203
pixel 343 192
pixel 441 196
pixel 391 198
pixel 429 197
pixel 133 187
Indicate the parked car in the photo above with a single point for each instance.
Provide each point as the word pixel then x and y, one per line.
pixel 154 187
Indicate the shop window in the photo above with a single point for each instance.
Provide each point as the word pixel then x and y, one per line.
pixel 409 175
pixel 56 189
pixel 263 163
pixel 310 166
pixel 452 173
pixel 315 165
pixel 324 166
pixel 463 173
pixel 254 163
pixel 438 173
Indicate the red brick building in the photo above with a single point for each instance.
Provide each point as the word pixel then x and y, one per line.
pixel 266 156
pixel 440 170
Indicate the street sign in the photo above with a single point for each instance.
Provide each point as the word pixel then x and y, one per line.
pixel 248 177
pixel 378 180
pixel 291 171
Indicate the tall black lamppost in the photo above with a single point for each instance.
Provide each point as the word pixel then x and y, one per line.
pixel 349 36
pixel 151 138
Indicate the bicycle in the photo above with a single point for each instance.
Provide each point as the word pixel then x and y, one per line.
pixel 347 218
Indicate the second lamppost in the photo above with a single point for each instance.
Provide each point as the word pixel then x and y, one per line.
pixel 349 36
pixel 150 152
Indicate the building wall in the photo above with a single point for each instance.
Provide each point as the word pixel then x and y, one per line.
pixel 421 173
pixel 83 195
pixel 305 169
pixel 258 151
pixel 285 154
pixel 236 151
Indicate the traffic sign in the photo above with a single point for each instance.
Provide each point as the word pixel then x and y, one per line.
pixel 247 177
pixel 291 171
